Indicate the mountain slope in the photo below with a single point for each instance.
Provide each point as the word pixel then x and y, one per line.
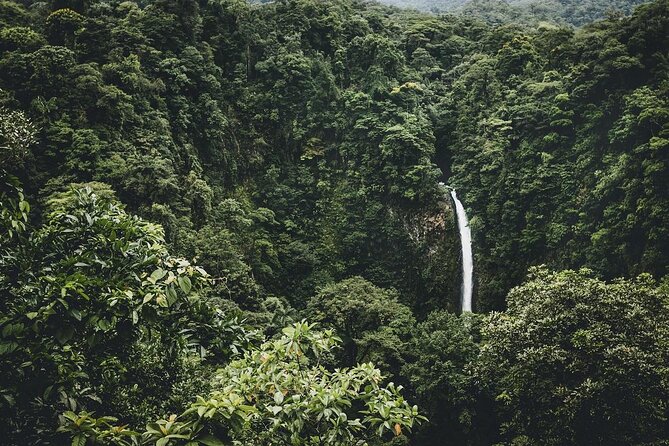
pixel 526 11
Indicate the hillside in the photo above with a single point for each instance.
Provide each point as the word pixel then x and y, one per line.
pixel 221 223
pixel 576 13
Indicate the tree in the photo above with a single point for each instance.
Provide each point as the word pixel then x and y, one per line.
pixel 86 300
pixel 62 26
pixel 17 135
pixel 440 359
pixel 20 38
pixel 373 324
pixel 575 360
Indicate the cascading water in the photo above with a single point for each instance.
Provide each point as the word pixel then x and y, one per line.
pixel 467 261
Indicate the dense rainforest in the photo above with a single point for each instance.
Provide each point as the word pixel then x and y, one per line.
pixel 221 223
pixel 531 12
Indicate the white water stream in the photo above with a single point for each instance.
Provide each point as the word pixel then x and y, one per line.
pixel 467 260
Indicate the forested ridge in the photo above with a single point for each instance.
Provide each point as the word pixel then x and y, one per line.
pixel 531 12
pixel 221 223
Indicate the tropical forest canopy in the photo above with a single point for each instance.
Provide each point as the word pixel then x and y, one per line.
pixel 565 12
pixel 221 223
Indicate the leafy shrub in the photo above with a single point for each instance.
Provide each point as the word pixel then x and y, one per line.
pixel 276 394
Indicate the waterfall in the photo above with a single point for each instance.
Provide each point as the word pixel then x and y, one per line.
pixel 467 261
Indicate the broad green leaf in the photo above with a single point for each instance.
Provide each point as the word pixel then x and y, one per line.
pixel 158 274
pixel 278 397
pixel 210 440
pixel 184 284
pixel 79 440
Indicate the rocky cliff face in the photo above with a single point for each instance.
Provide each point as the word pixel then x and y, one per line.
pixel 434 233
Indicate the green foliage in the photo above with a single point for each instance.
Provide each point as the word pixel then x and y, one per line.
pixel 579 361
pixel 551 150
pixel 20 38
pixel 17 134
pixel 83 425
pixel 572 12
pixel 300 402
pixel 290 146
pixel 62 25
pixel 11 14
pixel 374 326
pixel 276 394
pixel 439 369
pixel 95 309
pixel 178 118
pixel 237 244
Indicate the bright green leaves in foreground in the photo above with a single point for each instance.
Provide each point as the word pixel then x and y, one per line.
pixel 95 311
pixel 96 315
pixel 276 394
pixel 17 134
